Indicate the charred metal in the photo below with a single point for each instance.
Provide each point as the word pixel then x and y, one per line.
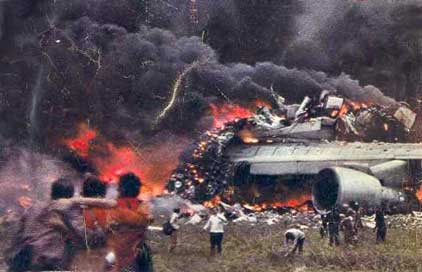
pixel 330 150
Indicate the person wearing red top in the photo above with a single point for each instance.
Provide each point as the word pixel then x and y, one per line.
pixel 95 219
pixel 95 228
pixel 128 223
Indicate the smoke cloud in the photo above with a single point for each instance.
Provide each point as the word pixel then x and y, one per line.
pixel 136 69
pixel 120 77
pixel 377 42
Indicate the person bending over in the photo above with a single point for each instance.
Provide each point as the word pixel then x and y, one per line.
pixel 297 237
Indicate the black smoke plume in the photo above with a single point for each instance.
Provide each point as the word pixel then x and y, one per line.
pixel 377 42
pixel 113 64
pixel 143 71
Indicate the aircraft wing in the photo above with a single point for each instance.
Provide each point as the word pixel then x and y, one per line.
pixel 310 158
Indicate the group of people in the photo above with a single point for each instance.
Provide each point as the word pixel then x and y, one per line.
pixel 69 231
pixel 332 223
pixel 350 224
pixel 51 235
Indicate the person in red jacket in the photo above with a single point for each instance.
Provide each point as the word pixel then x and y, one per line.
pixel 95 218
pixel 128 223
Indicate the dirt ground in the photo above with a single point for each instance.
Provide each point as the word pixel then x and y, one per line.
pixel 259 248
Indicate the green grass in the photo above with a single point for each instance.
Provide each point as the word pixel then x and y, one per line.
pixel 258 248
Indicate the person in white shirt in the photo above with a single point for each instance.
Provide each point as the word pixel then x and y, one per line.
pixel 298 237
pixel 215 225
pixel 174 219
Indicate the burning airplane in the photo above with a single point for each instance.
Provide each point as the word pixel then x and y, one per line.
pixel 328 151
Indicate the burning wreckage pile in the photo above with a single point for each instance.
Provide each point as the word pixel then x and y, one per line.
pixel 208 175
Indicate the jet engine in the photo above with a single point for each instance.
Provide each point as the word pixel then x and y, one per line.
pixel 338 185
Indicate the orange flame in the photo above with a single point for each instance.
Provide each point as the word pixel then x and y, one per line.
pixel 419 194
pixel 213 202
pixel 294 203
pixel 343 110
pixel 348 106
pixel 334 113
pixel 248 137
pixel 81 143
pixel 262 103
pixel 230 112
pixel 153 164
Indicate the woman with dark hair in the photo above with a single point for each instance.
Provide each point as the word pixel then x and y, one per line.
pixel 129 222
pixel 62 188
pixel 93 187
pixel 49 233
pixel 129 186
pixel 95 228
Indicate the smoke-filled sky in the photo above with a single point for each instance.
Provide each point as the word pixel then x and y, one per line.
pixel 146 72
pixel 114 63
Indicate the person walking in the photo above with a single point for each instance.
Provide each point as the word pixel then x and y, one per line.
pixel 174 223
pixel 215 225
pixel 380 225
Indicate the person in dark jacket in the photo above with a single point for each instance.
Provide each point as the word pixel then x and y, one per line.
pixel 380 226
pixel 324 225
pixel 333 218
pixel 358 218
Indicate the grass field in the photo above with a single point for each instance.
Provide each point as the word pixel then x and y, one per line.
pixel 258 248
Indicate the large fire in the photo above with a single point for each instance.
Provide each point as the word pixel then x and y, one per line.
pixel 81 144
pixel 297 203
pixel 153 164
pixel 226 112
pixel 349 106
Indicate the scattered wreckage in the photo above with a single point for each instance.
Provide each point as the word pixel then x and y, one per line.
pixel 322 153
